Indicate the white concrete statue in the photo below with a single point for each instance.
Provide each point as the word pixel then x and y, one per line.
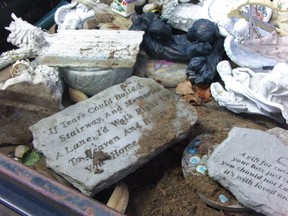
pixel 246 91
pixel 255 43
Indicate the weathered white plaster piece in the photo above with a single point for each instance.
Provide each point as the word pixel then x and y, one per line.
pixel 93 48
pixel 252 164
pixel 30 39
pixel 93 60
pixel 97 142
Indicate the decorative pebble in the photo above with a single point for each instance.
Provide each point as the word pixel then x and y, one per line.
pixel 194 160
pixel 201 169
pixel 223 198
pixel 195 143
pixel 191 150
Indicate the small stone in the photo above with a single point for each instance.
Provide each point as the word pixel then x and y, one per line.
pixel 201 169
pixel 223 198
pixel 194 160
pixel 191 150
pixel 21 150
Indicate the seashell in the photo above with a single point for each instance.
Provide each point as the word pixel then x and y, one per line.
pixel 76 95
pixel 18 67
pixel 24 34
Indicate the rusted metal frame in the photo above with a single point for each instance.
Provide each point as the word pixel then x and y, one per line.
pixel 25 190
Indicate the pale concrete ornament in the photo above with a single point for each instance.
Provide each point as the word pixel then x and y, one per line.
pixel 96 142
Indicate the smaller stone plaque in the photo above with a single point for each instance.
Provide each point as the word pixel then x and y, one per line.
pixel 98 141
pixel 253 165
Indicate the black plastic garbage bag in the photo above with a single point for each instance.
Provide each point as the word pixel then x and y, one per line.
pixel 201 70
pixel 202 46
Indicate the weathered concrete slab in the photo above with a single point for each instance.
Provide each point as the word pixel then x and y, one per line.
pixel 92 48
pixel 253 164
pixel 97 142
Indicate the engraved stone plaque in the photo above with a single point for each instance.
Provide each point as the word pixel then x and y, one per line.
pixel 98 141
pixel 253 165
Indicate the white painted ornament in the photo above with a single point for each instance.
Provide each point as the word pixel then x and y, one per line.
pixel 123 7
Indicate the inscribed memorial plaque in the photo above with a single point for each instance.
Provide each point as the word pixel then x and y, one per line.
pixel 97 142
pixel 253 165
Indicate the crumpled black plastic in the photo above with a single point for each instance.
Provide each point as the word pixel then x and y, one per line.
pixel 202 46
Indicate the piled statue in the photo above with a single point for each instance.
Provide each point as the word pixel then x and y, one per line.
pixel 250 92
pixel 253 40
pixel 202 46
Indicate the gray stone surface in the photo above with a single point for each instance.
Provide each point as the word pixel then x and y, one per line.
pixel 93 60
pixel 281 133
pixel 95 143
pixel 169 74
pixel 253 165
pixel 92 81
pixel 26 99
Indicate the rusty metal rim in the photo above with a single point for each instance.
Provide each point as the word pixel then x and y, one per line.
pixel 50 191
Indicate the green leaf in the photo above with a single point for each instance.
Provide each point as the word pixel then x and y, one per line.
pixel 30 158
